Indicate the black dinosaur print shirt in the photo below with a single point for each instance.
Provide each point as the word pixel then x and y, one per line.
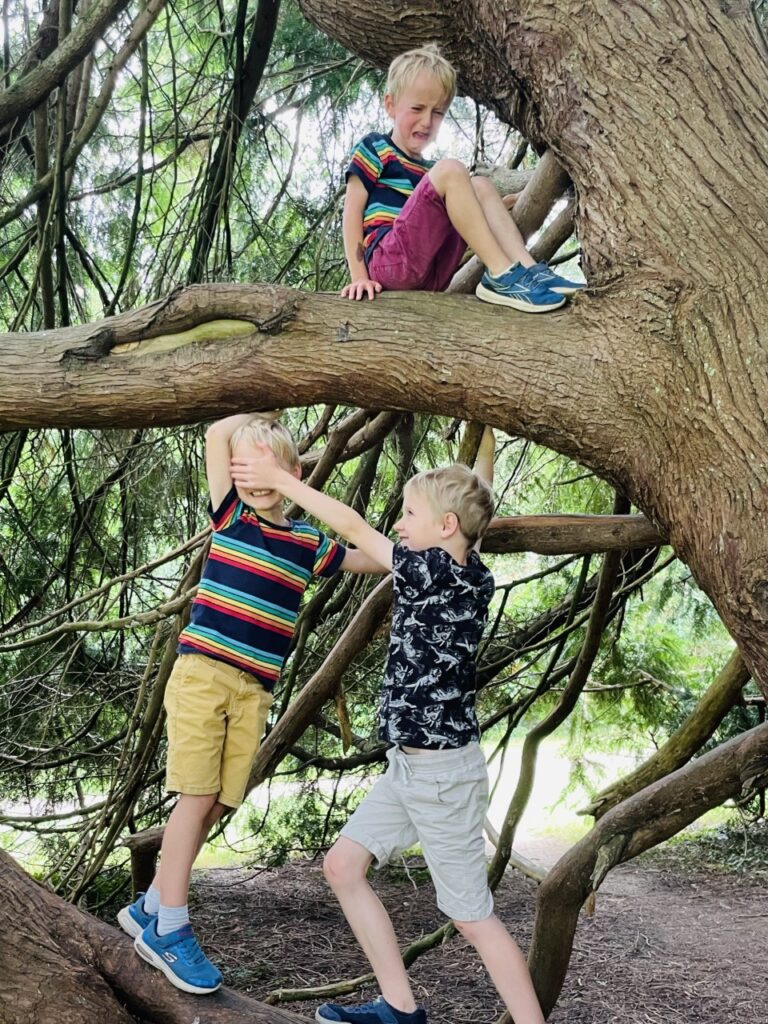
pixel 440 610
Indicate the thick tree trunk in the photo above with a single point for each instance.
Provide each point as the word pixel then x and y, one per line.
pixel 656 379
pixel 61 966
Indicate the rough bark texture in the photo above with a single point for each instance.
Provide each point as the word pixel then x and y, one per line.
pixel 656 378
pixel 62 966
pixel 570 534
pixel 566 380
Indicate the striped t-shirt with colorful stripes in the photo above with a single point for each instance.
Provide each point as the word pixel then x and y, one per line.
pixel 248 600
pixel 389 176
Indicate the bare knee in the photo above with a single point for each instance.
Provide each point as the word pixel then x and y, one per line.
pixel 472 931
pixel 446 172
pixel 344 864
pixel 483 187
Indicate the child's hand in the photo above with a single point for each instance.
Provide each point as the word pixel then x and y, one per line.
pixel 510 200
pixel 259 472
pixel 359 289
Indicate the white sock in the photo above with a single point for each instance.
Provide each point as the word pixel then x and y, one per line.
pixel 170 919
pixel 151 900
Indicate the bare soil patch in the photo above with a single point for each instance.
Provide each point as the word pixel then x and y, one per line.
pixel 666 945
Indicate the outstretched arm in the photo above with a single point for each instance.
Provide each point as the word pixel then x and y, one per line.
pixel 264 471
pixel 358 561
pixel 485 453
pixel 484 463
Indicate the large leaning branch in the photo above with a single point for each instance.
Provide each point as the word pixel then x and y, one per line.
pixel 66 966
pixel 639 823
pixel 211 349
pixel 685 742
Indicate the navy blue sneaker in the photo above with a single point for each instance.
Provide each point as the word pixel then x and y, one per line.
pixel 133 919
pixel 519 288
pixel 377 1012
pixel 179 957
pixel 549 279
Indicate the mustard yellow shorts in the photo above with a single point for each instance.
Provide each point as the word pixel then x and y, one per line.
pixel 216 718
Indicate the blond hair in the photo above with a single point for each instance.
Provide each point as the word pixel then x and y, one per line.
pixel 405 68
pixel 265 429
pixel 457 489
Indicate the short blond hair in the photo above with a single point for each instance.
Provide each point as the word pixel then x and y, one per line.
pixel 266 429
pixel 405 68
pixel 457 489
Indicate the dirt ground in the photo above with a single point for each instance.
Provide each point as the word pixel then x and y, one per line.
pixel 665 946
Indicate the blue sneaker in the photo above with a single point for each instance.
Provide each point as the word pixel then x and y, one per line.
pixel 519 288
pixel 549 279
pixel 133 919
pixel 377 1012
pixel 179 957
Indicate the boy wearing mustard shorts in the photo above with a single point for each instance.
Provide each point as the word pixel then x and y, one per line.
pixel 220 690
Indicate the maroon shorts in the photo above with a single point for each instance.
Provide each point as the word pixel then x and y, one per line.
pixel 423 250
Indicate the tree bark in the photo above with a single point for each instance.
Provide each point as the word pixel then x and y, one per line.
pixel 62 966
pixel 655 379
pixel 570 534
pixel 683 349
pixel 570 381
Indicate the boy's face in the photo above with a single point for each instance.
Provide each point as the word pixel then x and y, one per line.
pixel 417 113
pixel 420 526
pixel 268 504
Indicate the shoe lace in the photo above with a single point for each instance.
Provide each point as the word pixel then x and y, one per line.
pixel 540 270
pixel 191 952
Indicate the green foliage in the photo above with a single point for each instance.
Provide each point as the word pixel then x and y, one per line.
pixel 93 525
pixel 737 846
pixel 302 822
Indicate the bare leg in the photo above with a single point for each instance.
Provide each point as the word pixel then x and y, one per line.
pixel 451 180
pixel 188 826
pixel 505 230
pixel 506 966
pixel 345 867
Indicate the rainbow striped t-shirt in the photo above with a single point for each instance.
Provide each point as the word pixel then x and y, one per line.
pixel 248 600
pixel 389 176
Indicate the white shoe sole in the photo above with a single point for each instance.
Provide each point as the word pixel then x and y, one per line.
pixel 565 290
pixel 154 960
pixel 486 295
pixel 128 923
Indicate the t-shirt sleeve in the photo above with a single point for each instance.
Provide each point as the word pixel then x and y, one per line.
pixel 365 164
pixel 328 556
pixel 226 513
pixel 419 569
